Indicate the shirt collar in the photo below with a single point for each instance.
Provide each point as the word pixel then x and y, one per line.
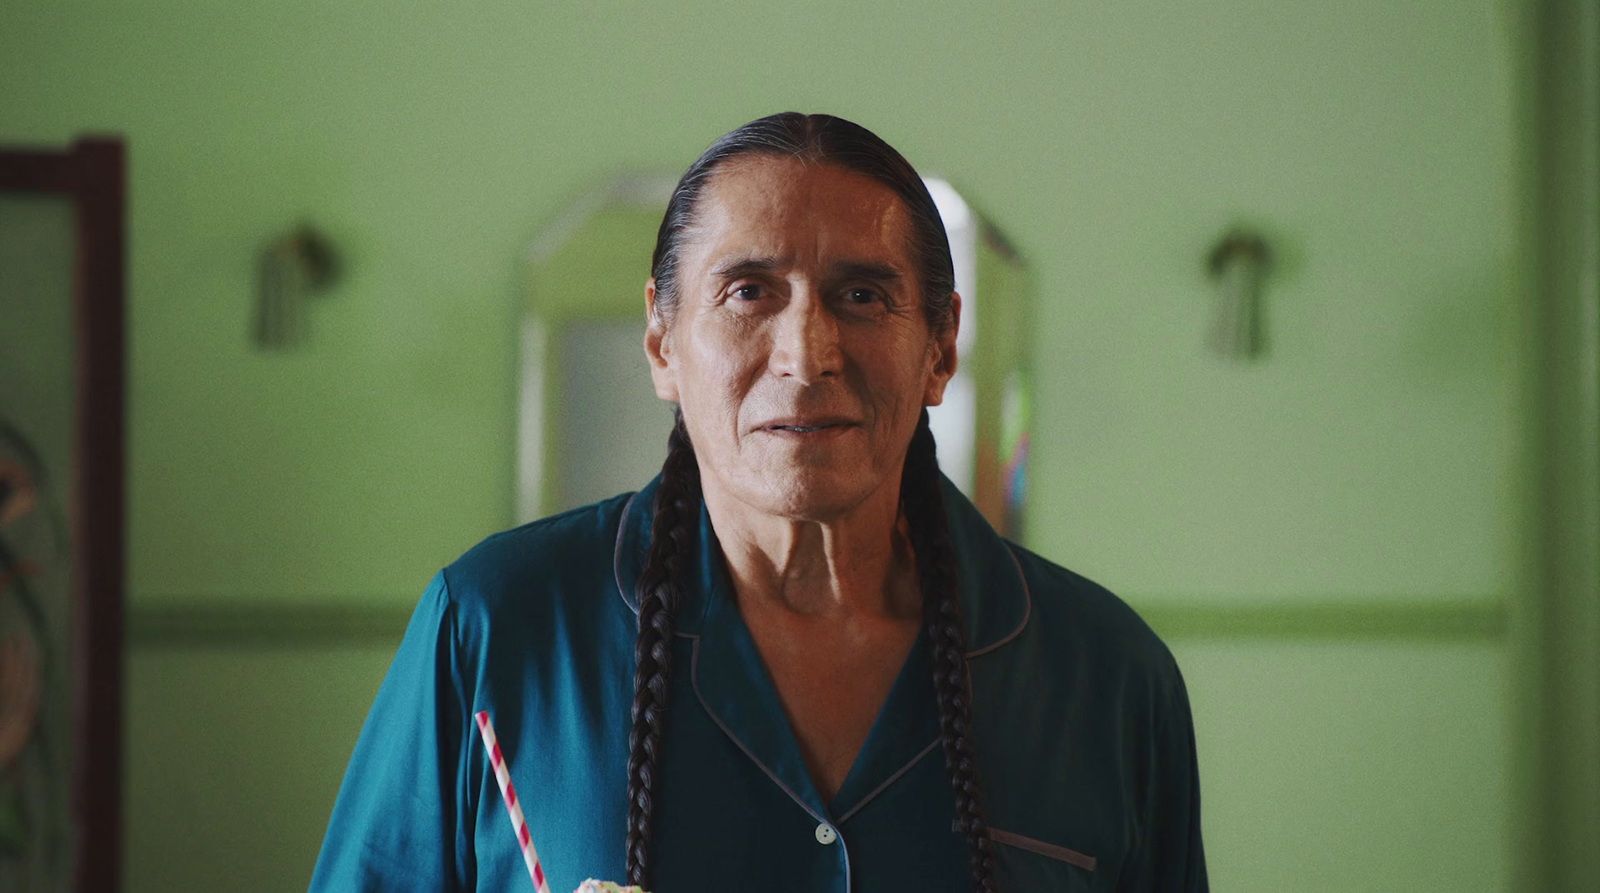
pixel 995 601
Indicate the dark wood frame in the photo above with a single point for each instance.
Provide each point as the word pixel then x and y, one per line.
pixel 1559 641
pixel 92 173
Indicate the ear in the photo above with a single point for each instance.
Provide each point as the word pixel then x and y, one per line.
pixel 658 348
pixel 943 350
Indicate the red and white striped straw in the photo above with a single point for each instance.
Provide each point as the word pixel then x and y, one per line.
pixel 514 808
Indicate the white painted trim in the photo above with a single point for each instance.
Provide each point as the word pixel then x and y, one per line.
pixel 530 419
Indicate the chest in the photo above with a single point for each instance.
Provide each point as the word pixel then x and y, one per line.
pixel 733 802
pixel 832 684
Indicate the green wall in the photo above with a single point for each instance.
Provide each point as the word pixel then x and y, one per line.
pixel 1370 461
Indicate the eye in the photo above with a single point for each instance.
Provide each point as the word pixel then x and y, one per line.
pixel 750 291
pixel 862 296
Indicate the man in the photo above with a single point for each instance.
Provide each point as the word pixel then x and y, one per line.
pixel 842 678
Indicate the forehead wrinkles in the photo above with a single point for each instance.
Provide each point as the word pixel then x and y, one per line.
pixel 797 211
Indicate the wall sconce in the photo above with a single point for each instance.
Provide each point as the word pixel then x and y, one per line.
pixel 293 267
pixel 1238 264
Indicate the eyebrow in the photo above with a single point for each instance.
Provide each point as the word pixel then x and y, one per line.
pixel 745 266
pixel 851 269
pixel 869 270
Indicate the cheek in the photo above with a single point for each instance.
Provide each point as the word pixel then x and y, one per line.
pixel 716 369
pixel 900 375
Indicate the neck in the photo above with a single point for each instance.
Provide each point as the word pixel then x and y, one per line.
pixel 858 565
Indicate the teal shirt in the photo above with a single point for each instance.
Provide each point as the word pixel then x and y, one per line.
pixel 1082 730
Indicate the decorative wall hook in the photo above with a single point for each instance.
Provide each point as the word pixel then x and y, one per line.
pixel 1238 263
pixel 293 267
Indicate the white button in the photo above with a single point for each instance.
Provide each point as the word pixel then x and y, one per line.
pixel 826 834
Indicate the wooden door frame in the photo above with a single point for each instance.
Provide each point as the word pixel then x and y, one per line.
pixel 92 174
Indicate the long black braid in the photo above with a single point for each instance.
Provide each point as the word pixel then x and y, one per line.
pixel 830 140
pixel 922 500
pixel 661 589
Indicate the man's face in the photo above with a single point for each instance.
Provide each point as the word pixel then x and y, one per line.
pixel 798 351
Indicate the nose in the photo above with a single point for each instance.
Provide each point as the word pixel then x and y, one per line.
pixel 805 343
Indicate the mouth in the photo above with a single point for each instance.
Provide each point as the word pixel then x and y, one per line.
pixel 807 425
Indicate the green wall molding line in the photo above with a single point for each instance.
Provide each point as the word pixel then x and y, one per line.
pixel 262 622
pixel 1455 619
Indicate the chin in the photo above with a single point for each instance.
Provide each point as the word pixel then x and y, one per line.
pixel 809 494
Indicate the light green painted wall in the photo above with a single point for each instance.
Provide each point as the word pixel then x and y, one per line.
pixel 1352 767
pixel 1114 142
pixel 236 754
pixel 1373 454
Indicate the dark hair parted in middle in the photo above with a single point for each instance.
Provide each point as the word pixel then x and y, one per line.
pixel 816 139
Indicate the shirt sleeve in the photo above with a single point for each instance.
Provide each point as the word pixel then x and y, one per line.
pixel 402 821
pixel 1171 857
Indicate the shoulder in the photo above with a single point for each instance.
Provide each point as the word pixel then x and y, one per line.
pixel 564 556
pixel 1082 623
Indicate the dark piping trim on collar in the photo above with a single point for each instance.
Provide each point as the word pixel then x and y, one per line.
pixel 1027 611
pixel 616 554
pixel 694 681
pixel 1022 579
pixel 888 781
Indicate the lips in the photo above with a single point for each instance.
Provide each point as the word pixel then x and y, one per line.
pixel 807 424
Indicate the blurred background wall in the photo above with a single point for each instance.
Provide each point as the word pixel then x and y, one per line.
pixel 1333 539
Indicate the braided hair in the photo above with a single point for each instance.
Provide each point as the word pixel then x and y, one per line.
pixel 827 140
pixel 661 588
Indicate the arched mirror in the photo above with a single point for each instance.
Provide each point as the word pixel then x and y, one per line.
pixel 590 425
